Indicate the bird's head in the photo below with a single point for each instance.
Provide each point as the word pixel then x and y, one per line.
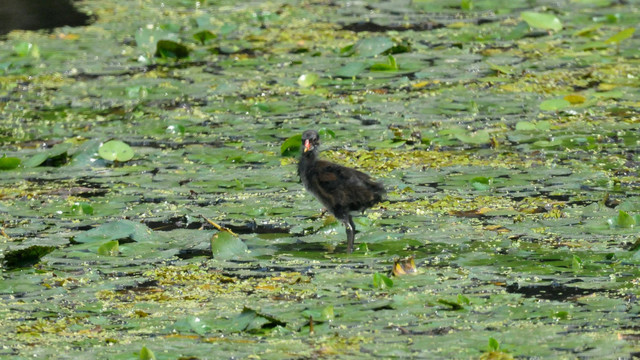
pixel 310 141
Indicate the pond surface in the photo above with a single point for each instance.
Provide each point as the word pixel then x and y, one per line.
pixel 506 134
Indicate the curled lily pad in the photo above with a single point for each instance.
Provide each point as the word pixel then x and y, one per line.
pixel 291 146
pixel 175 129
pixel 55 156
pixel 110 248
pixel 623 220
pixel 9 163
pixel 327 133
pixel 171 49
pixel 481 183
pixel 115 150
pixel 147 354
pixel 622 35
pixel 81 208
pixel 24 49
pixel 390 65
pixel 381 281
pixel 307 80
pixel 204 36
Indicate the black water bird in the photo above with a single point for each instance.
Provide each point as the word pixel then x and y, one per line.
pixel 340 189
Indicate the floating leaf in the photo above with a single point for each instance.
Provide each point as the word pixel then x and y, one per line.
pixel 115 150
pixel 622 35
pixel 493 344
pixel 463 300
pixel 588 31
pixel 623 220
pixel 554 104
pixel 326 133
pixel 147 354
pixel 501 68
pixel 541 21
pixel 117 230
pixel 478 137
pixel 454 306
pixel 390 65
pixel 9 163
pixel 373 46
pixel 137 92
pixel 110 248
pixel 204 36
pixel 291 146
pixel 24 49
pixel 191 324
pixel 325 314
pixel 575 99
pixel 576 263
pixel 81 208
pixel 253 321
pixel 351 69
pixel 175 129
pixel 225 246
pixel 525 126
pixel 481 183
pixel 26 256
pixel 381 281
pixel 171 49
pixel 466 5
pixel 55 156
pixel 562 315
pixel 307 80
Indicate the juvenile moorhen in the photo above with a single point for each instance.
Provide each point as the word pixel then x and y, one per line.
pixel 340 189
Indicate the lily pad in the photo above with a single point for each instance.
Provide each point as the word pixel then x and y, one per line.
pixel 291 146
pixel 55 156
pixel 624 220
pixel 390 65
pixel 110 248
pixel 381 281
pixel 146 354
pixel 554 104
pixel 541 20
pixel 115 150
pixel 171 49
pixel 373 46
pixel 117 230
pixel 307 80
pixel 81 208
pixel 351 69
pixel 226 246
pixel 620 36
pixel 9 163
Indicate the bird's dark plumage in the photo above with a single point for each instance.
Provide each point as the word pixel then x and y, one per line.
pixel 340 189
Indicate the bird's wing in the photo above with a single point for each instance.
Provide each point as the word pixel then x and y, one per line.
pixel 333 177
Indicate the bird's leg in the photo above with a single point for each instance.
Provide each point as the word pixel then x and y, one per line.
pixel 351 232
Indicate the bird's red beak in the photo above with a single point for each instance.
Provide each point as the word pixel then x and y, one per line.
pixel 307 145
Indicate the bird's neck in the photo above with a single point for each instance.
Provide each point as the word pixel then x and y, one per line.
pixel 307 159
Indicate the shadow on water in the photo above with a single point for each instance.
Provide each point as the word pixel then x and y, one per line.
pixel 36 15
